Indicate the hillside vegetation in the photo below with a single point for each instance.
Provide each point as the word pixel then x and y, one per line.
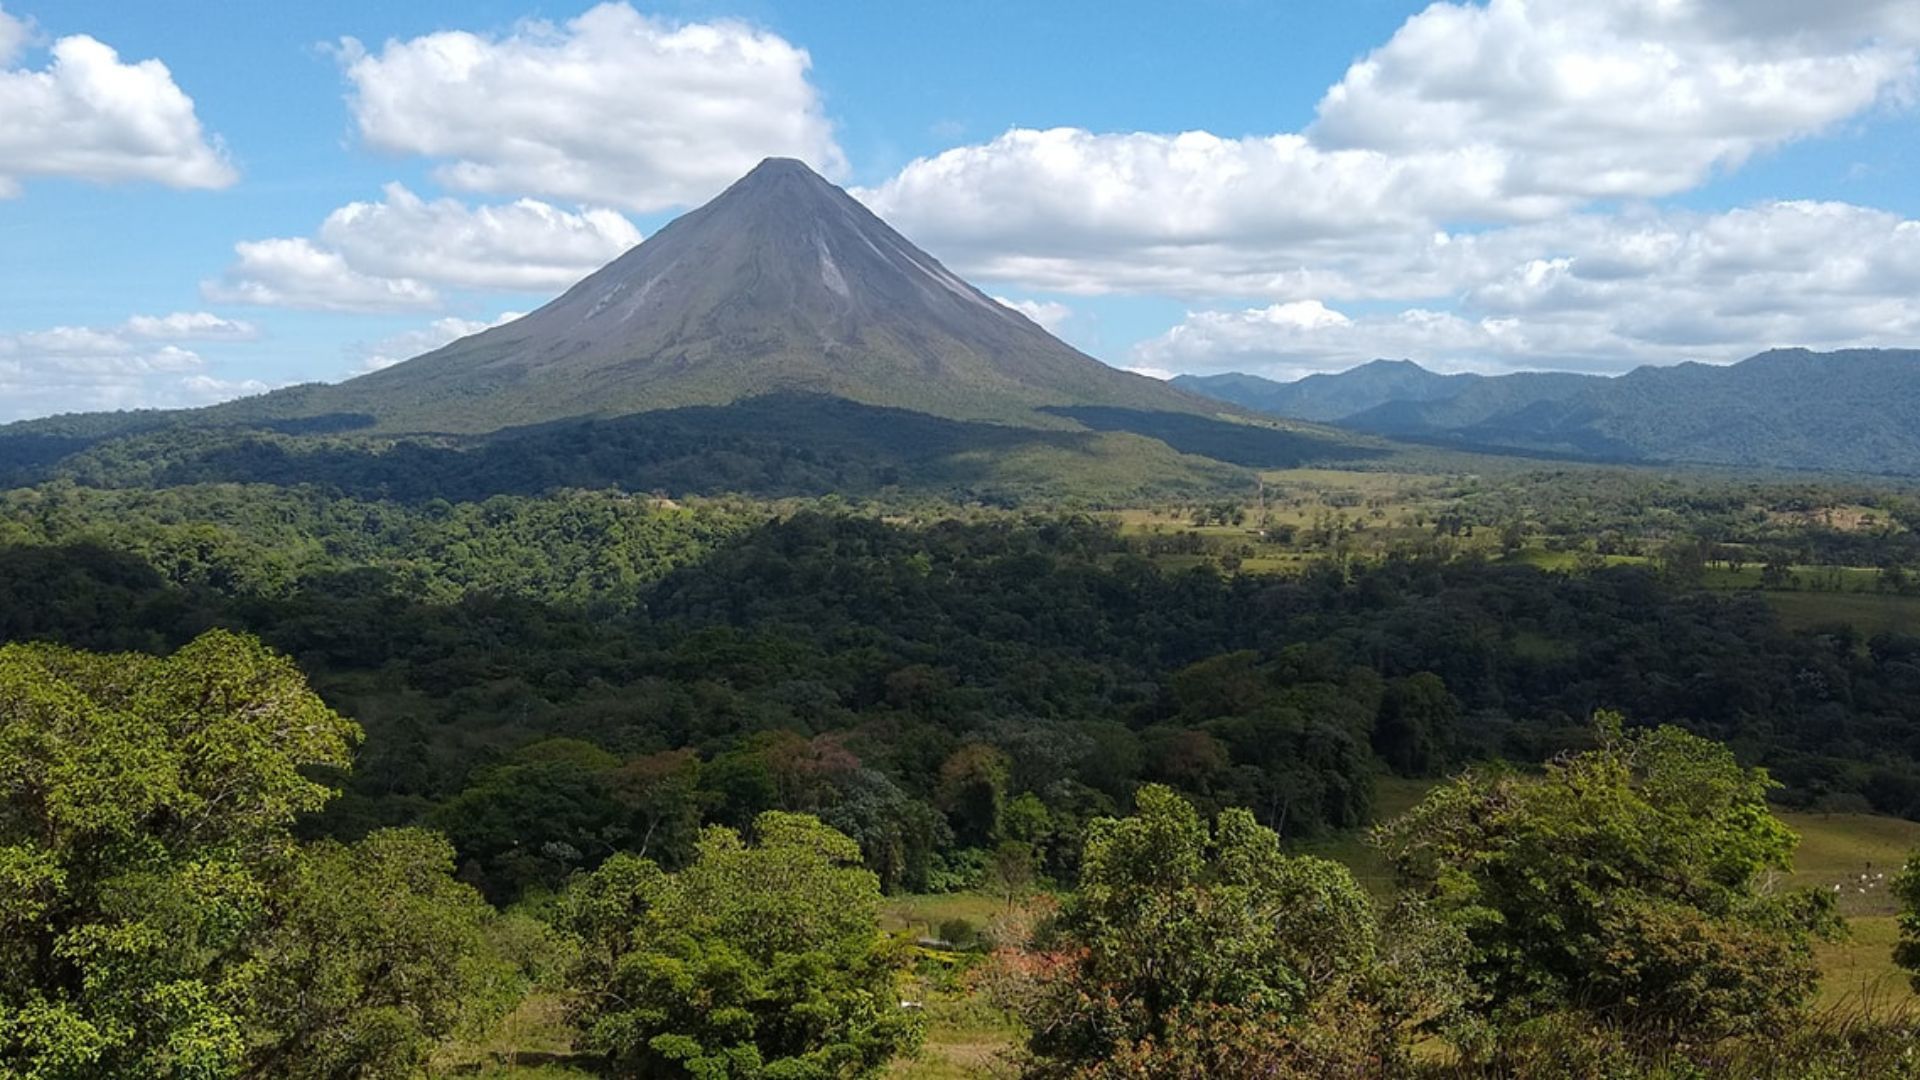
pixel 1848 411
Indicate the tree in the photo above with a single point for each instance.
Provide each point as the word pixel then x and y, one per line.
pixel 1624 884
pixel 973 792
pixel 1010 869
pixel 144 804
pixel 1777 571
pixel 760 959
pixel 156 918
pixel 524 825
pixel 662 792
pixel 1906 889
pixel 1192 950
pixel 373 956
pixel 1416 721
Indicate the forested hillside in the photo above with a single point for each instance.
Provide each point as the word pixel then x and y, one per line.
pixel 885 675
pixel 575 705
pixel 1842 412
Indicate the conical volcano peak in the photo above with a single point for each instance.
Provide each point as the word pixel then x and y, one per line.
pixel 779 166
pixel 782 283
pixel 778 177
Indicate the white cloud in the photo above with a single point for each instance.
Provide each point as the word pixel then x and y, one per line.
pixel 390 254
pixel 1051 315
pixel 411 343
pixel 14 33
pixel 1190 214
pixel 1629 98
pixel 78 368
pixel 1512 112
pixel 207 390
pixel 613 107
pixel 522 245
pixel 1605 292
pixel 88 115
pixel 190 326
pixel 292 272
pixel 1276 342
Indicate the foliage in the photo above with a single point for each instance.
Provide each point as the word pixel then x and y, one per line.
pixel 374 955
pixel 1906 889
pixel 581 548
pixel 931 689
pixel 1625 883
pixel 779 445
pixel 156 919
pixel 1828 1046
pixel 755 960
pixel 1193 950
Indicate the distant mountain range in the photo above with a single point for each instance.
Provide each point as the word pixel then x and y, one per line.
pixel 780 338
pixel 1849 411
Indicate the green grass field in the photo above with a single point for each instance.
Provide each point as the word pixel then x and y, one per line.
pixel 1859 853
pixel 1868 613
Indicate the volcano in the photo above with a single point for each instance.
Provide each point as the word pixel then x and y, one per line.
pixel 783 284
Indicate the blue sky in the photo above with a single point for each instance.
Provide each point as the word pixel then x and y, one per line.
pixel 306 191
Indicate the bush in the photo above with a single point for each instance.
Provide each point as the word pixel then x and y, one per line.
pixel 1625 883
pixel 960 933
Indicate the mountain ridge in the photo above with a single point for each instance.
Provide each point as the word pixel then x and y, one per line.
pixel 1853 410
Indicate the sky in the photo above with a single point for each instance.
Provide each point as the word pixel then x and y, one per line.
pixel 205 200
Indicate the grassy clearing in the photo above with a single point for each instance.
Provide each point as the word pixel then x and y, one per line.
pixel 1869 613
pixel 532 1043
pixel 1859 974
pixel 965 1038
pixel 921 916
pixel 1859 853
pixel 1841 849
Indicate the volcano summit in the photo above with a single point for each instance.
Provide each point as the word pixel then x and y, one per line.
pixel 782 284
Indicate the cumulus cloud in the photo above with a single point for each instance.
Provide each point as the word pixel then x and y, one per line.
pixel 1051 315
pixel 1195 214
pixel 411 343
pixel 1473 192
pixel 1619 98
pixel 77 368
pixel 526 244
pixel 293 273
pixel 612 107
pixel 89 115
pixel 390 253
pixel 1470 116
pixel 1603 293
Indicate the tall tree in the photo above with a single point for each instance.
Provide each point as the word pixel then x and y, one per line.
pixel 144 804
pixel 156 918
pixel 1193 950
pixel 761 959
pixel 373 955
pixel 1625 883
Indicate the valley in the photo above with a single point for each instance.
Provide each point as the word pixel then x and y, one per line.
pixel 776 658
